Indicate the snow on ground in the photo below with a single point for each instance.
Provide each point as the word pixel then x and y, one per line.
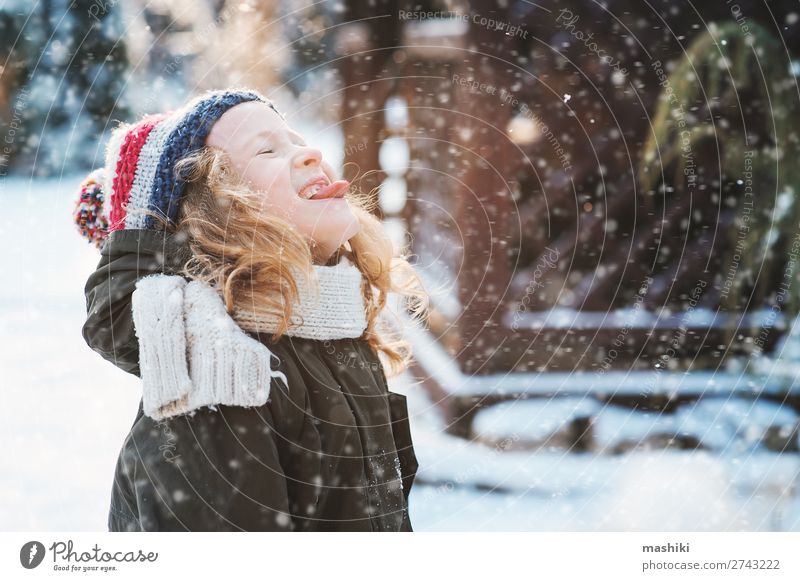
pixel 661 490
pixel 67 411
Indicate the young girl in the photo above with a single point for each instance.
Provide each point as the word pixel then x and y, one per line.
pixel 246 285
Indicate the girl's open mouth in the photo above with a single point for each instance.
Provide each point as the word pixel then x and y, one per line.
pixel 322 191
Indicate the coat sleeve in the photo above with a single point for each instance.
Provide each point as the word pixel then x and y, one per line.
pixel 218 469
pixel 127 256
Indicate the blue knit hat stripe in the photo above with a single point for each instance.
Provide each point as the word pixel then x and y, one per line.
pixel 189 135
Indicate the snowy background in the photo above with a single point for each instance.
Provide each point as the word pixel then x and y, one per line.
pixel 67 75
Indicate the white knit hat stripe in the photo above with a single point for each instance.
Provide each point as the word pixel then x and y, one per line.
pixel 146 167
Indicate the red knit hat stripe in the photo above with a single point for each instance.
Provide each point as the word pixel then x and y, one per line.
pixel 126 168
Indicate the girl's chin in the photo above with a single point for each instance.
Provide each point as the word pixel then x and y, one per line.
pixel 339 216
pixel 337 233
pixel 332 207
pixel 343 234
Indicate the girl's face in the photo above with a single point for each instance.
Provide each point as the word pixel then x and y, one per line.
pixel 276 161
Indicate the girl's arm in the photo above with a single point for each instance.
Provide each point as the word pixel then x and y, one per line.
pixel 127 256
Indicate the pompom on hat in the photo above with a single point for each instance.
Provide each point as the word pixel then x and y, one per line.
pixel 139 166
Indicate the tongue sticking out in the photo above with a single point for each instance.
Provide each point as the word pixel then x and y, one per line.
pixel 333 190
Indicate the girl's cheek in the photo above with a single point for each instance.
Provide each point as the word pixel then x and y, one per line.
pixel 279 189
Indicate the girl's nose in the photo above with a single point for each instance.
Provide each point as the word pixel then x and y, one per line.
pixel 308 156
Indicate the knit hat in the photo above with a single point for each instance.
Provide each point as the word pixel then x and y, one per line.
pixel 139 166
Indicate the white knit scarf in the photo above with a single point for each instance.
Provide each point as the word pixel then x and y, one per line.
pixel 333 310
pixel 193 354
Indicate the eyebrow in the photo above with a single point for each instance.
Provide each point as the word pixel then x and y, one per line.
pixel 263 133
pixel 268 133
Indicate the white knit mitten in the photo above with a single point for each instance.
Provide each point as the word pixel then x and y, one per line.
pixel 192 353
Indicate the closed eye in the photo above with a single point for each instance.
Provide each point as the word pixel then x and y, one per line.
pixel 266 151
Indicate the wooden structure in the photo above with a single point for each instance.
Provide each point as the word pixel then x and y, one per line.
pixel 576 238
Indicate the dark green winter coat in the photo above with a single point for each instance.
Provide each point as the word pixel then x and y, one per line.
pixel 333 453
